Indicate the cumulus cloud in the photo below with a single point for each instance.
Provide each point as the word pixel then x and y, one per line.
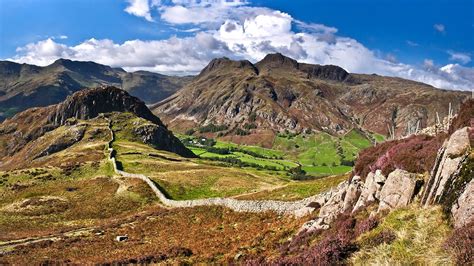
pixel 463 58
pixel 439 28
pixel 140 8
pixel 242 32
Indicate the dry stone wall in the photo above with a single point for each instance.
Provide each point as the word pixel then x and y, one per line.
pixel 297 208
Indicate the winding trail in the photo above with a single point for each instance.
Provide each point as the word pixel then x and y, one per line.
pixel 296 208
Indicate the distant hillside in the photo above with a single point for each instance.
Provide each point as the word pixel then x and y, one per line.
pixel 33 135
pixel 23 86
pixel 279 94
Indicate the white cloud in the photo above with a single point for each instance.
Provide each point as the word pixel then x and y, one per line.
pixel 140 8
pixel 242 32
pixel 412 43
pixel 463 58
pixel 440 28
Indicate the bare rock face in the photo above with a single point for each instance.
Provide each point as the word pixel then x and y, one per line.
pixel 452 155
pixel 161 139
pixel 352 194
pixel 371 190
pixel 398 190
pixel 463 209
pixel 331 207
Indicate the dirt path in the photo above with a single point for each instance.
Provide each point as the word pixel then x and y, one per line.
pixel 8 246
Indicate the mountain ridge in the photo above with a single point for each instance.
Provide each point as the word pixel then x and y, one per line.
pixel 23 86
pixel 278 93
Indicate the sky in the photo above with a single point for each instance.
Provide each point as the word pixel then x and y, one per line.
pixel 427 41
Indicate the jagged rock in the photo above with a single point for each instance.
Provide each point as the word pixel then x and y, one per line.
pixel 352 193
pixel 398 190
pixel 332 206
pixel 121 238
pixel 463 209
pixel 447 166
pixel 371 189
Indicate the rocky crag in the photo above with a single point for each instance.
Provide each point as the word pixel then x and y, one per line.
pixel 24 129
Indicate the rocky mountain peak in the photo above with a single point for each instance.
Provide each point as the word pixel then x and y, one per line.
pixel 327 72
pixel 89 103
pixel 276 60
pixel 225 64
pixel 80 66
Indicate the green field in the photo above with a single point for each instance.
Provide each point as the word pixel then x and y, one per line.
pixel 319 154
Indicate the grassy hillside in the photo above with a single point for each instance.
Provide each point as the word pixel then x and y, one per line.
pixel 319 154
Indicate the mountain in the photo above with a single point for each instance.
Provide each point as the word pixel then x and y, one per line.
pixel 23 86
pixel 279 93
pixel 34 134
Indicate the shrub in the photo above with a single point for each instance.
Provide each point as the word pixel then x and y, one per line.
pixel 464 116
pixel 212 128
pixel 415 154
pixel 297 173
pixel 190 132
pixel 241 132
pixel 250 126
pixel 252 117
pixel 461 243
pixel 366 225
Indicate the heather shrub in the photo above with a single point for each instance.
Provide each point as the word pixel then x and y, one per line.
pixel 415 154
pixel 299 242
pixel 461 243
pixel 325 247
pixel 366 225
pixel 463 117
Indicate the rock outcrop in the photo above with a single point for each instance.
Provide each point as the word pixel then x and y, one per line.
pixel 371 190
pixel 398 190
pixel 452 176
pixel 89 103
pixel 450 158
pixel 463 208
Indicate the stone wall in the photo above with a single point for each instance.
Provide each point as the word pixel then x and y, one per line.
pixel 297 208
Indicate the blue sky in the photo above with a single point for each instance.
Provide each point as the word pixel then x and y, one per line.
pixel 429 41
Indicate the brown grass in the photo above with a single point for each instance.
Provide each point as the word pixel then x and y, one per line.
pixel 211 234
